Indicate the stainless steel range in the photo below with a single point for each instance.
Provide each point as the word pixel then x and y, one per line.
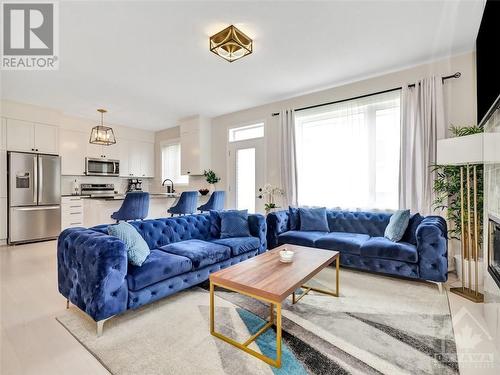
pixel 98 190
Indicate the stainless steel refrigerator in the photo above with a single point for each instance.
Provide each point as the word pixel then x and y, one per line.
pixel 34 197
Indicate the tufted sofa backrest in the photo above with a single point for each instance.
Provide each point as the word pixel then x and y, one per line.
pixel 161 232
pixel 371 223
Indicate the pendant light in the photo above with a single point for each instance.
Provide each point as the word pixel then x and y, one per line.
pixel 100 134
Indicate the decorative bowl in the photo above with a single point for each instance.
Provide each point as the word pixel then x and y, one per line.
pixel 204 191
pixel 286 256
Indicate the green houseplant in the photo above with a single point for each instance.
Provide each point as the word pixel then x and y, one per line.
pixel 211 177
pixel 447 190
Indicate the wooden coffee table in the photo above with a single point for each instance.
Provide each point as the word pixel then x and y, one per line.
pixel 267 279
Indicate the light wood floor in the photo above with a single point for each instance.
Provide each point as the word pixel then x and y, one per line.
pixel 33 342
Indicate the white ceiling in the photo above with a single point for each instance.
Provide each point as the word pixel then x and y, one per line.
pixel 148 63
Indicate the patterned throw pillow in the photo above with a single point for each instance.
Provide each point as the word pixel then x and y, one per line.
pixel 397 225
pixel 234 223
pixel 313 219
pixel 137 248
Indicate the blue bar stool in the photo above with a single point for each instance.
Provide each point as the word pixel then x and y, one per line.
pixel 186 204
pixel 135 206
pixel 216 202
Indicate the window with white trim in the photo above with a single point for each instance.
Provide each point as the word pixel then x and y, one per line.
pixel 348 153
pixel 171 163
pixel 244 133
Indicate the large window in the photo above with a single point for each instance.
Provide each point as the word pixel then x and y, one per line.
pixel 171 163
pixel 348 153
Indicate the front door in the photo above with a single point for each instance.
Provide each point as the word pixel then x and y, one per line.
pixel 247 174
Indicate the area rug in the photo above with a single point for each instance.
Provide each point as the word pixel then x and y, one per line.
pixel 378 325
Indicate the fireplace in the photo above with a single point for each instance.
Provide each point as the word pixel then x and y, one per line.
pixel 494 248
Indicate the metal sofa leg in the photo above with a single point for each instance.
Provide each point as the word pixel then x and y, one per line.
pixel 100 326
pixel 67 303
pixel 440 287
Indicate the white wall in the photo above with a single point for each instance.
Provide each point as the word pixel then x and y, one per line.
pixel 460 101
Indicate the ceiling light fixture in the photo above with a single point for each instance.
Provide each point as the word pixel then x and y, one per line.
pixel 231 44
pixel 100 134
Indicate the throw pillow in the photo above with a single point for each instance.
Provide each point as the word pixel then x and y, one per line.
pixel 397 225
pixel 215 223
pixel 137 248
pixel 410 235
pixel 294 218
pixel 234 223
pixel 313 219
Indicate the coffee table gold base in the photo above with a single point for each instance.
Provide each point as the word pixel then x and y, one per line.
pixel 307 289
pixel 244 346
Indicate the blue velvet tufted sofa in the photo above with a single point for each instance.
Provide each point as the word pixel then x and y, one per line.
pixel 93 272
pixel 359 237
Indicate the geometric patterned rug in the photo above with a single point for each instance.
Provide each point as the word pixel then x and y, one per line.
pixel 378 325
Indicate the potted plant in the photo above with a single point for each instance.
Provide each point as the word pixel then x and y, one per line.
pixel 269 193
pixel 211 177
pixel 447 198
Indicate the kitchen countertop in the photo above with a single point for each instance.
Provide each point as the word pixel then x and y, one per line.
pixel 120 197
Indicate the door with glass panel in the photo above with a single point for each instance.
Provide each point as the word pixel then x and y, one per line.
pixel 247 169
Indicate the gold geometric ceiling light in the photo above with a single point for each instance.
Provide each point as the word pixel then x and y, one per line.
pixel 231 44
pixel 100 134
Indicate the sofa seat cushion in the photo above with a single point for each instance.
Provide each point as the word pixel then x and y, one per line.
pixel 381 247
pixel 342 241
pixel 297 237
pixel 158 266
pixel 239 245
pixel 201 253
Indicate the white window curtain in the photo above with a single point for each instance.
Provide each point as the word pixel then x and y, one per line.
pixel 422 125
pixel 348 153
pixel 288 157
pixel 171 163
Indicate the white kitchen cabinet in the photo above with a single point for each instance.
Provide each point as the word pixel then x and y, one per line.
pixel 29 136
pixel 20 135
pixel 147 159
pixel 3 173
pixel 134 160
pixel 123 156
pixel 3 219
pixel 103 151
pixel 71 212
pixel 46 138
pixel 3 134
pixel 195 145
pixel 73 150
pixel 141 159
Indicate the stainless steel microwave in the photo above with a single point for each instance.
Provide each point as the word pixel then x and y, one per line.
pixel 102 167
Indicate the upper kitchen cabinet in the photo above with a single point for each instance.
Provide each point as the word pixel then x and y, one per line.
pixel 32 137
pixel 103 151
pixel 137 158
pixel 195 145
pixel 73 150
pixel 46 138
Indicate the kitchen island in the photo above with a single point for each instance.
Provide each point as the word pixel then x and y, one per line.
pixel 98 210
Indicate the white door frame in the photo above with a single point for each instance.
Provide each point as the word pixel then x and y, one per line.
pixel 260 168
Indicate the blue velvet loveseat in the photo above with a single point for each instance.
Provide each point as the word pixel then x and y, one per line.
pixel 94 274
pixel 422 253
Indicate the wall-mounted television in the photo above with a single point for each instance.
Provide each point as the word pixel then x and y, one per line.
pixel 488 59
